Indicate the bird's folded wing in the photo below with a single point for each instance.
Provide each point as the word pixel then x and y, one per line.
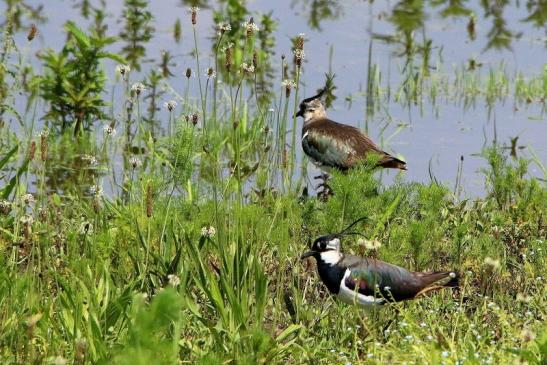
pixel 336 145
pixel 372 277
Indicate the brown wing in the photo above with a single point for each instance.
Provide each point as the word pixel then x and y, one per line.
pixel 341 146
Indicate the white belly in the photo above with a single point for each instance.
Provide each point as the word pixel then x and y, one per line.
pixel 353 297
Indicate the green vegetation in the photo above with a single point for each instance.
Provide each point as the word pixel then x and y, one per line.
pixel 173 235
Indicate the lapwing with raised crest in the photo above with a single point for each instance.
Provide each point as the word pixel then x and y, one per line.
pixel 368 282
pixel 330 145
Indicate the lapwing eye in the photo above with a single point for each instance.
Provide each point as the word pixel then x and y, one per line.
pixel 323 245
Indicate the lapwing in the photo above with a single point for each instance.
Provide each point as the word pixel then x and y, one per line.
pixel 368 282
pixel 330 145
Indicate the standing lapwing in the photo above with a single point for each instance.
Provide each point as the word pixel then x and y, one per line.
pixel 334 145
pixel 366 281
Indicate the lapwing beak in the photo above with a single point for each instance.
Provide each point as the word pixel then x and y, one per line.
pixel 307 254
pixel 299 113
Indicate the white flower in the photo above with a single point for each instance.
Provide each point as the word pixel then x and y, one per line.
pixel 494 264
pixel 26 220
pixel 85 227
pixel 123 69
pixel 91 160
pixel 170 105
pixel 174 280
pixel 135 162
pixel 288 84
pixel 5 206
pixel 387 288
pixel 250 27
pixel 28 199
pixel 224 27
pixel 408 338
pixel 429 337
pixel 210 73
pixel 369 244
pixel 208 231
pixel 299 54
pixel 423 324
pixel 96 191
pixel 445 353
pixel 247 68
pixel 109 130
pixel 138 88
pixel 227 46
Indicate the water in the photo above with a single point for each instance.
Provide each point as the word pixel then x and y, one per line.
pixel 434 135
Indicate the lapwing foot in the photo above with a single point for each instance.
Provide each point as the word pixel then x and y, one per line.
pixel 325 193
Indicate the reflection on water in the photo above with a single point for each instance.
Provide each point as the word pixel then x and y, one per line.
pixel 384 55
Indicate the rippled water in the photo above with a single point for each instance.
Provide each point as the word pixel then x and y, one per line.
pixel 431 137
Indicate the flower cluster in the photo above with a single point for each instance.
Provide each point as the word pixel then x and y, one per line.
pixel 194 117
pixel 300 41
pixel 5 207
pixel 210 73
pixel 85 228
pixel 26 220
pixel 91 160
pixel 96 191
pixel 135 162
pixel 109 130
pixel 227 50
pixel 288 85
pixel 174 280
pixel 224 27
pixel 299 56
pixel 123 70
pixel 138 88
pixel 208 231
pixel 170 105
pixel 28 199
pixel 194 12
pixel 250 27
pixel 248 69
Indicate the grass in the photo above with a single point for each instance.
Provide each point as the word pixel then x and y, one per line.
pixel 191 253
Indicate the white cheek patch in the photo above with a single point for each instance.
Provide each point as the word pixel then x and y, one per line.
pixel 334 244
pixel 353 297
pixel 331 257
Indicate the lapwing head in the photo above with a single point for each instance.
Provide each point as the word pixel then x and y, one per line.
pixel 312 107
pixel 331 242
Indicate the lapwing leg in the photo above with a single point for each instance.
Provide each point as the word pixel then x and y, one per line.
pixel 325 193
pixel 324 176
pixel 326 190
